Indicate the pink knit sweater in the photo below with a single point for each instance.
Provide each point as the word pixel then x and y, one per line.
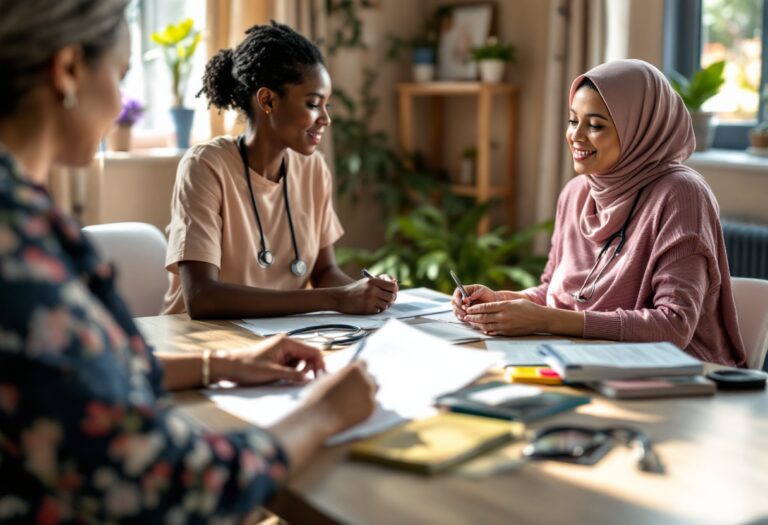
pixel 667 284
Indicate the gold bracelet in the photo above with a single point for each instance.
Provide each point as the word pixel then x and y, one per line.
pixel 206 368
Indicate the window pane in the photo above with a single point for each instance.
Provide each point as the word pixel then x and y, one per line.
pixel 732 30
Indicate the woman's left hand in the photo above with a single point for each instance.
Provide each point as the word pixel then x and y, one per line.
pixel 514 317
pixel 277 358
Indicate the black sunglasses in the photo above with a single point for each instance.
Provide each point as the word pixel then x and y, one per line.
pixel 587 445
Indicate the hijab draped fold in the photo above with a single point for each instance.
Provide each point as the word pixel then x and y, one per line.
pixel 655 137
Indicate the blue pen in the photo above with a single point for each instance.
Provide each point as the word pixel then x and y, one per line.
pixel 368 274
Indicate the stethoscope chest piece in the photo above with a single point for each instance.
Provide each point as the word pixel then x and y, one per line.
pixel 266 258
pixel 298 268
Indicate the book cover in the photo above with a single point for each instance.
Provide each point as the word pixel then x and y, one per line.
pixel 437 443
pixel 676 386
pixel 599 361
pixel 514 402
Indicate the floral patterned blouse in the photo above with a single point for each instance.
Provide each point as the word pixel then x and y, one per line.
pixel 86 435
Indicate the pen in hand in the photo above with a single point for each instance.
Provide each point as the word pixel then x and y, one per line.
pixel 368 274
pixel 460 286
pixel 359 349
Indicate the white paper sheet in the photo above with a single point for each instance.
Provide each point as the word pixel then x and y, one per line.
pixel 408 304
pixel 445 317
pixel 522 352
pixel 410 367
pixel 453 333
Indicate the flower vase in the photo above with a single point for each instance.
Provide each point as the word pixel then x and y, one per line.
pixel 120 138
pixel 182 121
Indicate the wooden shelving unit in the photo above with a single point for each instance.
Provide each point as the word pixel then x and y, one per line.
pixel 482 189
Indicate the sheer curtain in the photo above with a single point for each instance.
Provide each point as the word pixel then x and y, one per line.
pixel 227 22
pixel 582 34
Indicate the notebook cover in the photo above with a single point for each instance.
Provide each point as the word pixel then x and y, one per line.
pixel 525 409
pixel 437 443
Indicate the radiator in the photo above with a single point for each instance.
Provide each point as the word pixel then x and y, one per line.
pixel 747 248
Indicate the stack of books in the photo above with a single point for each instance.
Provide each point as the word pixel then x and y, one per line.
pixel 629 370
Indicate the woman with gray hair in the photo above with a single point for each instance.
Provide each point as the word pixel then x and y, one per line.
pixel 85 432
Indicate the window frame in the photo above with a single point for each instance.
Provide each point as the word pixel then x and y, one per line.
pixel 682 53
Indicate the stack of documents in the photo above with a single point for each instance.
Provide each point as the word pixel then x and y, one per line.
pixel 595 362
pixel 410 367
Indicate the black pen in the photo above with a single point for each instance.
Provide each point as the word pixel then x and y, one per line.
pixel 460 286
pixel 368 274
pixel 359 349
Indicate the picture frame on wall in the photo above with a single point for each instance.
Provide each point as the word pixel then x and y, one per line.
pixel 462 27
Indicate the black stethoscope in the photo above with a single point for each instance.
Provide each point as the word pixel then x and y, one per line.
pixel 328 334
pixel 622 236
pixel 266 257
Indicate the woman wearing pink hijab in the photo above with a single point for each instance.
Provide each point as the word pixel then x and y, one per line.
pixel 637 252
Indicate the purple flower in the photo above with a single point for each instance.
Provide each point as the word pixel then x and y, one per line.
pixel 130 112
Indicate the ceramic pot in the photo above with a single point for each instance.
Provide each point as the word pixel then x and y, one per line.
pixel 182 121
pixel 702 129
pixel 423 60
pixel 120 138
pixel 491 70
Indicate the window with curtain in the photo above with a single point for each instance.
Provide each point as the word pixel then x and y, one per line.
pixel 700 32
pixel 149 80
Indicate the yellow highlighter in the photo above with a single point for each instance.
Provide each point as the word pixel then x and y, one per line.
pixel 542 375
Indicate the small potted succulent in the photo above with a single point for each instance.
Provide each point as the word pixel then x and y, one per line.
pixel 130 113
pixel 423 49
pixel 492 57
pixel 758 136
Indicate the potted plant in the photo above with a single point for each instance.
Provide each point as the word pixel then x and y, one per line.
pixel 423 245
pixel 130 112
pixel 702 86
pixel 492 57
pixel 423 48
pixel 179 42
pixel 758 136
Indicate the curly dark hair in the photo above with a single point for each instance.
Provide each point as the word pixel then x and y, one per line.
pixel 272 55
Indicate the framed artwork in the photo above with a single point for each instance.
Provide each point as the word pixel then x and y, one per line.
pixel 462 27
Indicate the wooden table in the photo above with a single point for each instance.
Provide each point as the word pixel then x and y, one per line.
pixel 715 450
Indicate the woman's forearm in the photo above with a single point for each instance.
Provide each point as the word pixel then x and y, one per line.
pixel 215 299
pixel 564 322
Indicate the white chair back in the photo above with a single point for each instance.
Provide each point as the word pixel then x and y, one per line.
pixel 751 296
pixel 137 250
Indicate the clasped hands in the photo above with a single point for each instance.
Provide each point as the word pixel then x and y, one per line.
pixel 498 313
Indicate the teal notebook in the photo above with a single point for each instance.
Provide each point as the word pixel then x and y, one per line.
pixel 515 402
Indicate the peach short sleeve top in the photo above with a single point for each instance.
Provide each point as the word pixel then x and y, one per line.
pixel 212 218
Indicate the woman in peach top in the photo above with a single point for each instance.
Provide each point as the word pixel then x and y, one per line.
pixel 252 216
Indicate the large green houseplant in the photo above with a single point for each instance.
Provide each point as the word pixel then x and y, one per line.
pixel 702 86
pixel 423 246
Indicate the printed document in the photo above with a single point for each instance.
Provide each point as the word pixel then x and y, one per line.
pixel 410 367
pixel 522 352
pixel 408 304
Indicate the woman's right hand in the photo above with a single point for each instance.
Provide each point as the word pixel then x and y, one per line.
pixel 478 294
pixel 370 295
pixel 344 398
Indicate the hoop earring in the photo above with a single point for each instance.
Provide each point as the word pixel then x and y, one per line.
pixel 70 100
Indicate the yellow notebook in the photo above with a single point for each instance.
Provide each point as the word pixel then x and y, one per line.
pixel 436 443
